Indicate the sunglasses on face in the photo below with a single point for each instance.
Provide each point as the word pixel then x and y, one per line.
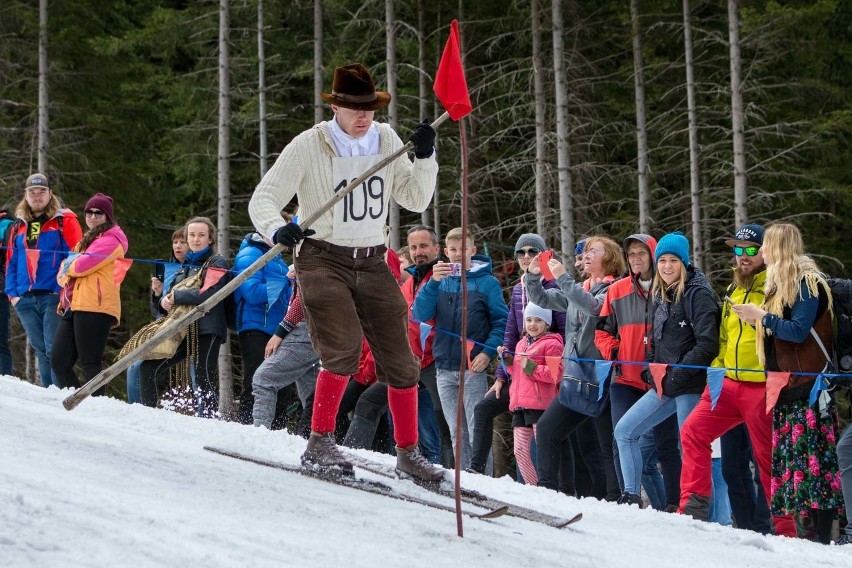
pixel 93 213
pixel 530 252
pixel 747 251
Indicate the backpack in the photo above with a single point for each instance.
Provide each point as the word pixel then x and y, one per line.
pixel 841 299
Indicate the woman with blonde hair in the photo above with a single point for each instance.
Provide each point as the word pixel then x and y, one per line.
pixel 794 334
pixel 685 331
pixel 603 262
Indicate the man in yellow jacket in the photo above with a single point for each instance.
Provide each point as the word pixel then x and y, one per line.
pixel 743 396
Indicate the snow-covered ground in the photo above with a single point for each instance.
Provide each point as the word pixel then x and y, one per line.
pixel 110 484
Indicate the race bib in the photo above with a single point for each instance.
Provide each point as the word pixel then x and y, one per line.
pixel 362 213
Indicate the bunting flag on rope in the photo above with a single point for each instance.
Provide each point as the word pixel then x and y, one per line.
pixel 32 263
pixel 554 365
pixel 63 268
pixel 503 363
pixel 450 84
pixel 602 371
pixel 119 270
pixel 469 345
pixel 715 379
pixel 274 287
pixel 775 381
pixel 425 330
pixel 658 371
pixel 820 384
pixel 212 277
pixel 169 271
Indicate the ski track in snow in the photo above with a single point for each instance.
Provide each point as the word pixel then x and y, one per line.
pixel 110 484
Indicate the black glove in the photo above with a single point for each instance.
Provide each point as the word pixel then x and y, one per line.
pixel 423 139
pixel 647 377
pixel 290 234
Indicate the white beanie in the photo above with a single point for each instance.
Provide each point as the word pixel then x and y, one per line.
pixel 538 312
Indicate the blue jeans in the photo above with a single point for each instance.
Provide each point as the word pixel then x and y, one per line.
pixel 641 418
pixel 37 313
pixel 622 397
pixel 475 387
pixel 5 352
pixel 745 491
pixel 720 505
pixel 134 388
pixel 427 427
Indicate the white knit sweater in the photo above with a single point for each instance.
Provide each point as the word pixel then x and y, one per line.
pixel 304 168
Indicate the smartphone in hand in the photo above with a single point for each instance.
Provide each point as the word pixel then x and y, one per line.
pixel 543 259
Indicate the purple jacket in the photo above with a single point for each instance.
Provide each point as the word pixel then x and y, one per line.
pixel 515 321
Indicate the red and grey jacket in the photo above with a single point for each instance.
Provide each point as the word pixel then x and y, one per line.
pixel 409 291
pixel 624 331
pixel 36 267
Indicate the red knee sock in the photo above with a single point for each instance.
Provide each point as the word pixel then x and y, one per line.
pixel 329 391
pixel 403 408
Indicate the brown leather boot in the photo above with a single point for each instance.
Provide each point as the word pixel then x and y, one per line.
pixel 322 456
pixel 412 463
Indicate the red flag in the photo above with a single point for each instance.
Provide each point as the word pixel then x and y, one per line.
pixel 775 381
pixel 212 277
pixel 450 85
pixel 119 270
pixel 554 365
pixel 32 263
pixel 658 371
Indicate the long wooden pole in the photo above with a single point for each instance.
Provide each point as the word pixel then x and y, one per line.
pixel 200 310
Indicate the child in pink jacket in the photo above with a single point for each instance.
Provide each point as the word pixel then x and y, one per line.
pixel 536 370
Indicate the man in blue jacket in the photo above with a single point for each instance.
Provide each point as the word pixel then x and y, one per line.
pixel 440 298
pixel 261 302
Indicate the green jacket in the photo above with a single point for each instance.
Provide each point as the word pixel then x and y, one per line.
pixel 737 349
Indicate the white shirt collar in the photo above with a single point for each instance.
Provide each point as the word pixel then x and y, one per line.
pixel 347 146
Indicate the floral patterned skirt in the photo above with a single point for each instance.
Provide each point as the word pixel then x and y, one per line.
pixel 805 474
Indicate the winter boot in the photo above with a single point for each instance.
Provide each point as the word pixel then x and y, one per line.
pixel 630 499
pixel 410 462
pixel 322 456
pixel 844 539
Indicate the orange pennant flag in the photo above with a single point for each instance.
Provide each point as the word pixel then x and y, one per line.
pixel 32 263
pixel 119 270
pixel 775 381
pixel 554 365
pixel 212 277
pixel 468 348
pixel 658 371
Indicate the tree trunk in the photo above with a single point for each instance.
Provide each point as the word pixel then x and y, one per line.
pixel 641 130
pixel 563 155
pixel 43 113
pixel 390 45
pixel 318 45
pixel 538 86
pixel 261 88
pixel 423 86
pixel 694 180
pixel 737 115
pixel 224 206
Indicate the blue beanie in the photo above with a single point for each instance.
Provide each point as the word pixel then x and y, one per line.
pixel 578 249
pixel 673 243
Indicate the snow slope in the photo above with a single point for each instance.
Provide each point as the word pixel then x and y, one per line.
pixel 110 484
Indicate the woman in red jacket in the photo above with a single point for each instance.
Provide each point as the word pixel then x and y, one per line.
pixel 89 303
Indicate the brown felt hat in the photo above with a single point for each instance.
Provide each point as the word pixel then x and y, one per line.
pixel 353 88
